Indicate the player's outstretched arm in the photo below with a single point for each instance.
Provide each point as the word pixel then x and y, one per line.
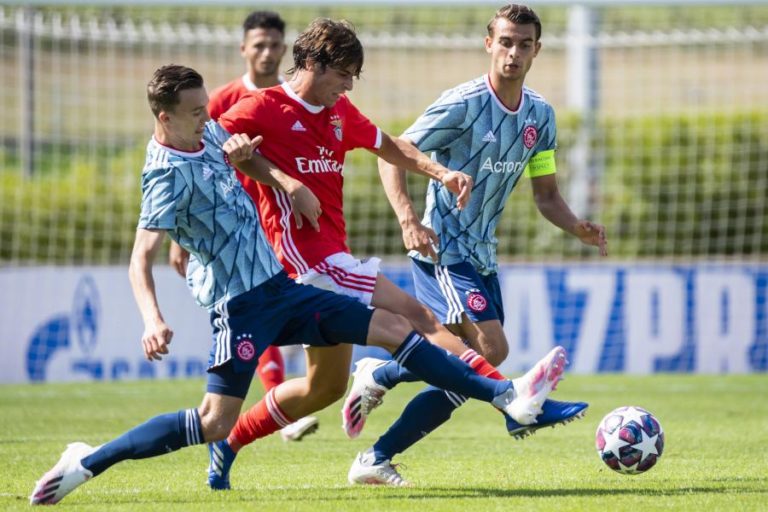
pixel 241 152
pixel 416 236
pixel 554 208
pixel 401 153
pixel 157 335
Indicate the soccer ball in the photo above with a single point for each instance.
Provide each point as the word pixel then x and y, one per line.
pixel 629 440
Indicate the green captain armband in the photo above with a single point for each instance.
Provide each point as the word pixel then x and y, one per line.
pixel 541 164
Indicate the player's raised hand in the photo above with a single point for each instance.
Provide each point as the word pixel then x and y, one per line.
pixel 418 237
pixel 591 233
pixel 155 340
pixel 304 203
pixel 239 147
pixel 460 184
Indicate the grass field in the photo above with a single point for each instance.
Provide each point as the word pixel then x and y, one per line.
pixel 715 457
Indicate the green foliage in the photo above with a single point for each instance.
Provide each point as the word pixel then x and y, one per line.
pixel 82 208
pixel 680 185
pixel 686 185
pixel 714 457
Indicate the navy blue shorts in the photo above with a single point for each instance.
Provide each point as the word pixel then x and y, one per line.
pixel 278 312
pixel 450 290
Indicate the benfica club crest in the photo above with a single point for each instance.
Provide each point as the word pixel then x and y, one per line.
pixel 530 136
pixel 336 123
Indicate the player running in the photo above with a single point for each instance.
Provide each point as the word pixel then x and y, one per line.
pixel 190 192
pixel 262 48
pixel 309 125
pixel 493 128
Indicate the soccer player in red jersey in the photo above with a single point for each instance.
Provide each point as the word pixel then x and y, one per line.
pixel 308 125
pixel 262 48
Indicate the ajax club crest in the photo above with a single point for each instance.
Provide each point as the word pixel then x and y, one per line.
pixel 244 348
pixel 530 136
pixel 475 301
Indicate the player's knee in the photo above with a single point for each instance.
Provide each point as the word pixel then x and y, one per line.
pixel 328 392
pixel 421 317
pixel 217 420
pixel 492 345
pixel 496 354
pixel 217 426
pixel 388 330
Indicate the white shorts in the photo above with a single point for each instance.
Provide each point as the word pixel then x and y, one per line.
pixel 344 274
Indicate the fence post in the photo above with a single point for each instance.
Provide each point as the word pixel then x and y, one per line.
pixel 583 97
pixel 25 22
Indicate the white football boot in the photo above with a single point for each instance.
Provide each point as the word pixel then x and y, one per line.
pixel 299 429
pixel 364 396
pixel 525 401
pixel 364 472
pixel 64 477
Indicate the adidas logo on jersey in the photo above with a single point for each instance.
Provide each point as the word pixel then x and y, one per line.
pixel 298 127
pixel 489 137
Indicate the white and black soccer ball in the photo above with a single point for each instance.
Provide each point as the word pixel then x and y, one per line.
pixel 629 440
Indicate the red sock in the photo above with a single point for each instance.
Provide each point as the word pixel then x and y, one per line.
pixel 480 365
pixel 271 368
pixel 259 421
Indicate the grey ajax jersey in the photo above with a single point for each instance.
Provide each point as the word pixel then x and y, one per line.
pixel 468 129
pixel 197 198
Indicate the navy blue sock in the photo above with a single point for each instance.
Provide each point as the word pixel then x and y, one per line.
pixel 427 411
pixel 391 374
pixel 437 367
pixel 161 434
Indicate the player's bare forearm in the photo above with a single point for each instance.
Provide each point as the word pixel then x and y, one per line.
pixel 145 247
pixel 240 149
pixel 264 171
pixel 415 236
pixel 396 188
pixel 157 335
pixel 404 155
pixel 556 211
pixel 554 208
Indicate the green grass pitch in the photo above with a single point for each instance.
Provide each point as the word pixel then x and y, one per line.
pixel 715 456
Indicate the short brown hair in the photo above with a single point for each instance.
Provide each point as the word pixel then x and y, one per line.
pixel 166 84
pixel 517 14
pixel 328 43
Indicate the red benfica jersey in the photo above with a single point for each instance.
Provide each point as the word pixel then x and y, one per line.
pixel 222 98
pixel 307 142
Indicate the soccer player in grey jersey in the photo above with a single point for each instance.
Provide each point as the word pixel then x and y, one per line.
pixel 494 129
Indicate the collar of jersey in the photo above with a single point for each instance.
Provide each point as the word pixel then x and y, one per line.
pixel 500 104
pixel 314 109
pixel 248 83
pixel 179 152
